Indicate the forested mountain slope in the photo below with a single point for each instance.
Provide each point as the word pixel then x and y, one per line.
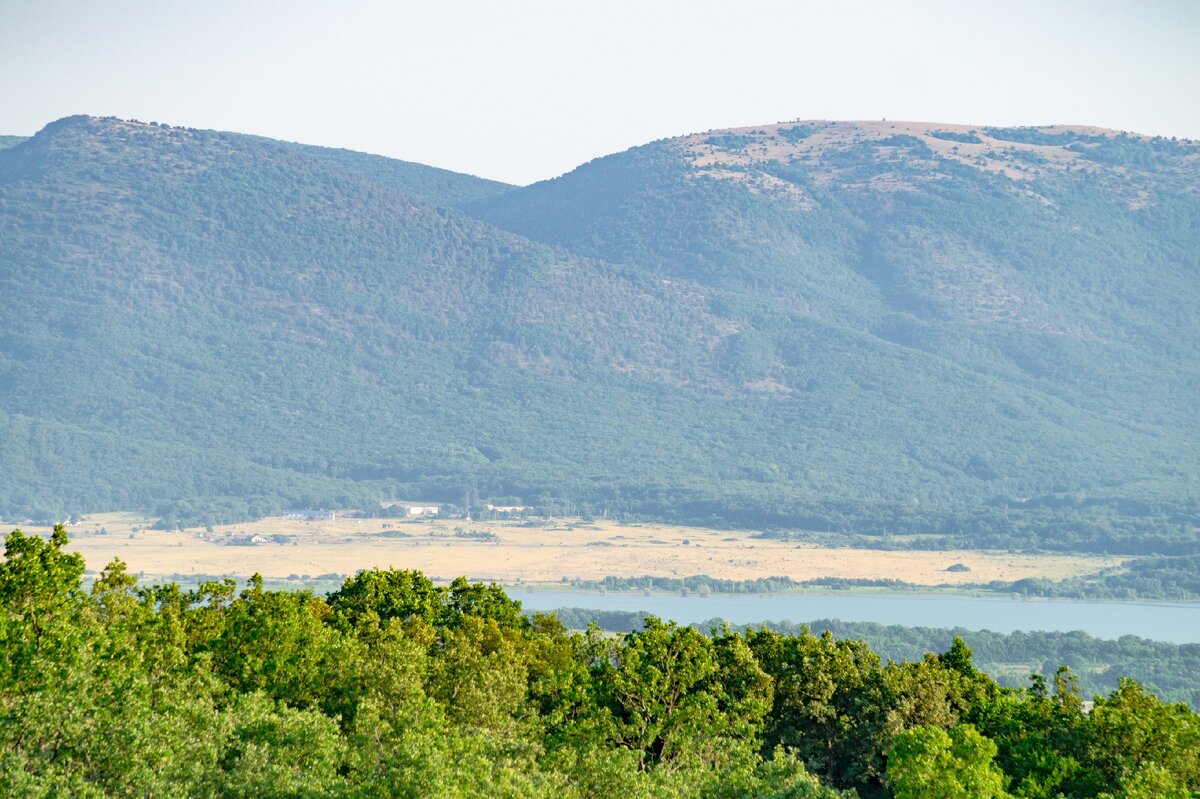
pixel 1054 258
pixel 1059 260
pixel 436 186
pixel 801 328
pixel 194 314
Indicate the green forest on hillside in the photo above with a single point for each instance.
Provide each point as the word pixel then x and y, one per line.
pixel 391 686
pixel 213 327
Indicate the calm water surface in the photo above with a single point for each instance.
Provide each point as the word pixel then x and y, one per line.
pixel 1177 623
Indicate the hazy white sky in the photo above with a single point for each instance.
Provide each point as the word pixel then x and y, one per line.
pixel 519 91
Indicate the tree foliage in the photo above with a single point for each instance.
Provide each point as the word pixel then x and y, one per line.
pixel 393 686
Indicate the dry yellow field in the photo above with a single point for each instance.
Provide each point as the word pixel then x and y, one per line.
pixel 531 554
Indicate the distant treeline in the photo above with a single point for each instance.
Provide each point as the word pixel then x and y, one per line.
pixel 1061 524
pixel 1142 578
pixel 1050 524
pixel 703 584
pixel 1150 577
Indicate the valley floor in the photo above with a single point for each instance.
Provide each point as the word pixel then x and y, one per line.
pixel 537 553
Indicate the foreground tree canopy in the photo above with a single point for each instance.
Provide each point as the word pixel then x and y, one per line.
pixel 394 686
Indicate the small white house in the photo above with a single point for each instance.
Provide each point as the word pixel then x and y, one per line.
pixel 411 509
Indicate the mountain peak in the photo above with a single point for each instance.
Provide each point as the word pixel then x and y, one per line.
pixel 159 146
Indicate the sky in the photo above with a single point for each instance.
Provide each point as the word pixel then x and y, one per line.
pixel 523 90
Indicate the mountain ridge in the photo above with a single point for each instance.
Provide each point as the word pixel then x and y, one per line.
pixel 896 330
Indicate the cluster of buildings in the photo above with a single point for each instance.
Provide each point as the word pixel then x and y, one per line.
pixel 398 508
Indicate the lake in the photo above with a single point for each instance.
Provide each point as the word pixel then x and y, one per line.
pixel 1174 622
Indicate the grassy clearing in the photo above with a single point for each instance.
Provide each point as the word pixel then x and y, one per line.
pixel 533 554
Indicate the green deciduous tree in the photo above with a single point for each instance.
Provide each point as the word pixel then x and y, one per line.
pixel 929 763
